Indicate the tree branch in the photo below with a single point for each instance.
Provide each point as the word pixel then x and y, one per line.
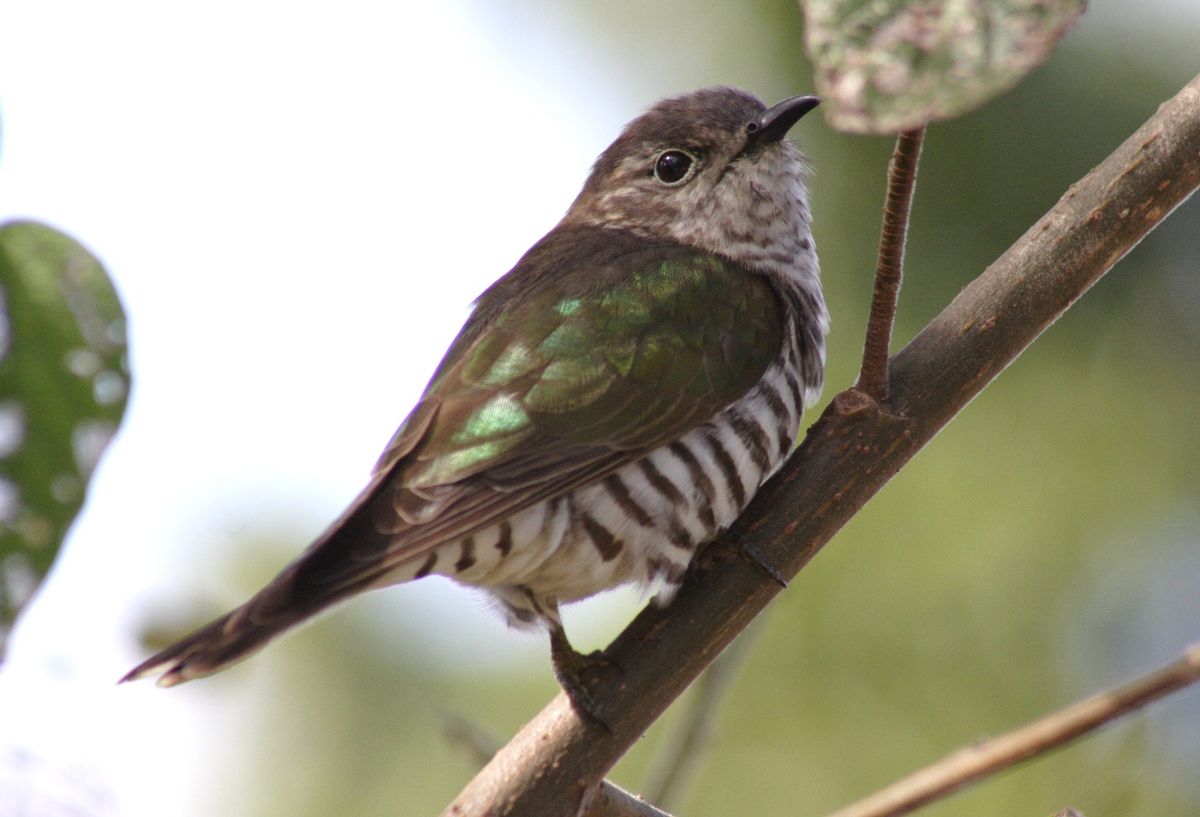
pixel 555 762
pixel 987 757
pixel 889 271
pixel 480 746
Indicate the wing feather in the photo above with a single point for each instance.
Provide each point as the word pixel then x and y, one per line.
pixel 562 376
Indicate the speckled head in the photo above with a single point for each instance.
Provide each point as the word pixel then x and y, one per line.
pixel 710 169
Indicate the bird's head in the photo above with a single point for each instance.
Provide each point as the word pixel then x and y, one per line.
pixel 709 169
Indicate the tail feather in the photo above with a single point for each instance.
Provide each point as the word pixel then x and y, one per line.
pixel 210 649
pixel 279 606
pixel 346 559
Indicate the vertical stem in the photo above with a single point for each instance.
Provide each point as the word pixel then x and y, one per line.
pixel 902 179
pixel 669 778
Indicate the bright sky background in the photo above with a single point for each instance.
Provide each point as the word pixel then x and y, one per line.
pixel 297 203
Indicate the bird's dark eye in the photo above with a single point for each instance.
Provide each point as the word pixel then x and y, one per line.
pixel 673 167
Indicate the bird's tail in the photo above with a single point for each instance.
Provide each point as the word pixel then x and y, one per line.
pixel 239 633
pixel 345 560
pixel 210 649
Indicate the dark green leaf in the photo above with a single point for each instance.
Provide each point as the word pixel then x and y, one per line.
pixel 63 385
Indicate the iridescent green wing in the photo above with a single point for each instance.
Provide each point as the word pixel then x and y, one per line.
pixel 569 370
pixel 596 348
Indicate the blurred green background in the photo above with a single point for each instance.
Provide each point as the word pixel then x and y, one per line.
pixel 1042 548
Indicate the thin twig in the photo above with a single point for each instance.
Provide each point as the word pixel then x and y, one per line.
pixel 479 744
pixel 613 801
pixel 990 756
pixel 889 272
pixel 677 765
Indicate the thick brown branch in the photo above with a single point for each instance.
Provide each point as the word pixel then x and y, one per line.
pixel 990 756
pixel 889 271
pixel 557 760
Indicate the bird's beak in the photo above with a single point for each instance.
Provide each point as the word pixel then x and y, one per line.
pixel 777 120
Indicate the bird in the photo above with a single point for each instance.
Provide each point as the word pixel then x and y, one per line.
pixel 610 405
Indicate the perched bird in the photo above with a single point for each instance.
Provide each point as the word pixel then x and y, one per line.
pixel 612 403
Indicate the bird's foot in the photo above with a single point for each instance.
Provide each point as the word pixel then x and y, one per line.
pixel 578 674
pixel 760 561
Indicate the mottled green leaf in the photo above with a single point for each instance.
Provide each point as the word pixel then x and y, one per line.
pixel 884 66
pixel 63 386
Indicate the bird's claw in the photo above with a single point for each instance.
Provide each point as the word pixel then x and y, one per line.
pixel 577 672
pixel 757 558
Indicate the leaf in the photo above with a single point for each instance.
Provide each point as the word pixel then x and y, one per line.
pixel 884 66
pixel 63 386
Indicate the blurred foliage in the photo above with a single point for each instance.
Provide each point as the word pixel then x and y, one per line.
pixel 1043 547
pixel 63 386
pixel 892 65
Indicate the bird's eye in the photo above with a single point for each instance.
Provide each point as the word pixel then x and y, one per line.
pixel 673 167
